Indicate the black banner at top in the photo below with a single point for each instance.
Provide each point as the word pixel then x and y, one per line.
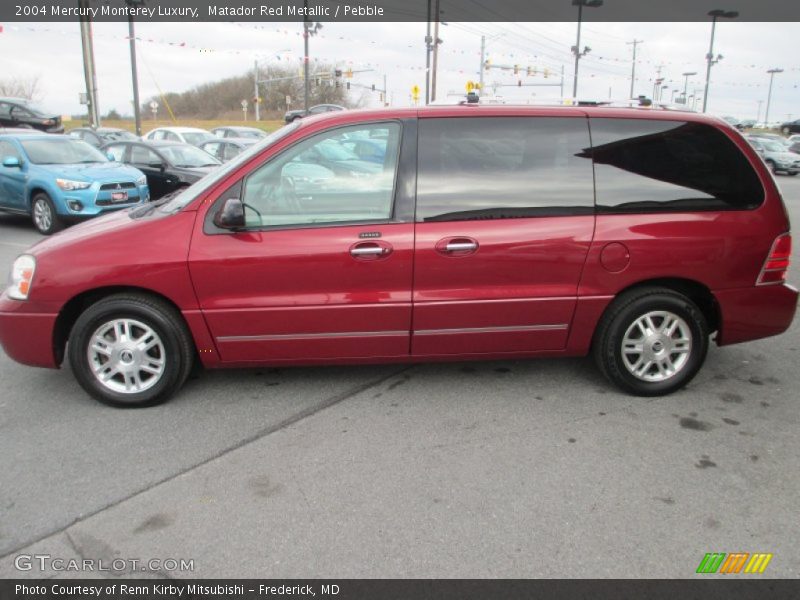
pixel 399 10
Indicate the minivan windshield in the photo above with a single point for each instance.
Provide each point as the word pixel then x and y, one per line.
pixel 61 151
pixel 193 191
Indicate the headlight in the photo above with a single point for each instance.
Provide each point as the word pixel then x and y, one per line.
pixel 141 181
pixel 19 281
pixel 69 185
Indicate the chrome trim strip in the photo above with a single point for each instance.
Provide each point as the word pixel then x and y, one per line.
pixel 308 336
pixel 513 329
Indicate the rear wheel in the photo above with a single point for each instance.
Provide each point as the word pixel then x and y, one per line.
pixel 44 215
pixel 130 350
pixel 772 167
pixel 651 341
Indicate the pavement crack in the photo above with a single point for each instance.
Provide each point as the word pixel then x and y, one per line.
pixel 288 422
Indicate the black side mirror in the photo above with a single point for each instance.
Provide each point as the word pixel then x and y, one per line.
pixel 231 215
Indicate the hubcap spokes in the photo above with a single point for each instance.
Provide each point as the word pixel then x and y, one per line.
pixel 126 356
pixel 42 215
pixel 656 346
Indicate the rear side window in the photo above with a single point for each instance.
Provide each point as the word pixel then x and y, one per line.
pixel 503 168
pixel 655 166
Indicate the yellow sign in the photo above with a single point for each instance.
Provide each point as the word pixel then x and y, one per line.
pixel 415 92
pixel 470 86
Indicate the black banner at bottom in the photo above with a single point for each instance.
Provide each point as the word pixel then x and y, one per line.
pixel 390 589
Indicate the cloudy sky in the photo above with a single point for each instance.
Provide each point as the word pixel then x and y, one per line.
pixel 177 56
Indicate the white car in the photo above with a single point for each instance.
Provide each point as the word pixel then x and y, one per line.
pixel 187 135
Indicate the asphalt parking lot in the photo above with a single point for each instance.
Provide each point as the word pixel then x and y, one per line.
pixel 496 469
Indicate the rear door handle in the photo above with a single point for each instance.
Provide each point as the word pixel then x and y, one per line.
pixel 370 250
pixel 457 246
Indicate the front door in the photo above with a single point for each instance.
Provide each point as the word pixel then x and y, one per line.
pixel 323 268
pixel 12 179
pixel 505 217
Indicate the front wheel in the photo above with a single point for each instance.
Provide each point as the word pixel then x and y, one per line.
pixel 44 215
pixel 130 350
pixel 786 131
pixel 651 341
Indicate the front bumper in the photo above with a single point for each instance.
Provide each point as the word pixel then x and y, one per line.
pixel 93 201
pixel 25 336
pixel 755 312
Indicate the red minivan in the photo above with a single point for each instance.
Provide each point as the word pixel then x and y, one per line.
pixel 444 233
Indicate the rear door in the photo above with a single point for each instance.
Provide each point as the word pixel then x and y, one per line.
pixel 505 217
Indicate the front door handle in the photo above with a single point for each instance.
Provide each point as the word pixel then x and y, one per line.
pixel 457 246
pixel 370 250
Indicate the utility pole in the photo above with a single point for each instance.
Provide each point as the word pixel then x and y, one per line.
pixel 714 14
pixel 634 43
pixel 483 63
pixel 758 116
pixel 385 92
pixel 308 31
pixel 255 88
pixel 428 41
pixel 576 49
pixel 137 113
pixel 436 42
pixel 769 94
pixel 686 83
pixel 88 64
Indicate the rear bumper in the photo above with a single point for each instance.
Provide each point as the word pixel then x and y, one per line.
pixel 756 312
pixel 26 337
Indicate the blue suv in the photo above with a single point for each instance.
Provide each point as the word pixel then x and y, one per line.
pixel 58 180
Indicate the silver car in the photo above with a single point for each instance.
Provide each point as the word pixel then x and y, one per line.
pixel 777 156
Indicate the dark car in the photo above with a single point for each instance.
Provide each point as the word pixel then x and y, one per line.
pixel 790 127
pixel 319 109
pixel 235 131
pixel 102 135
pixel 225 149
pixel 167 165
pixel 18 112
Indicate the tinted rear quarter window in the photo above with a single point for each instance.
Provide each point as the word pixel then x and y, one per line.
pixel 503 167
pixel 644 165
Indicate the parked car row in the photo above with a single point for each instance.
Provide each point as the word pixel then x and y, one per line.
pixel 61 179
pixel 782 155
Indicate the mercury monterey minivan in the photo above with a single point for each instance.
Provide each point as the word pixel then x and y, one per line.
pixel 472 232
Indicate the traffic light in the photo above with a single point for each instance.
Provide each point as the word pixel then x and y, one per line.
pixel 528 72
pixel 337 73
pixel 373 87
pixel 519 82
pixel 516 69
pixel 487 65
pixel 348 85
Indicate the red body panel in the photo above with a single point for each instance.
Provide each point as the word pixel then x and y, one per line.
pixel 516 293
pixel 299 297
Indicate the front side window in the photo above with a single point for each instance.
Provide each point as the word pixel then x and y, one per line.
pixel 229 151
pixel 320 181
pixel 646 165
pixel 183 155
pixel 144 156
pixel 503 168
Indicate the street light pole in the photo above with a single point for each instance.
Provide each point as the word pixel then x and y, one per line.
pixel 686 84
pixel 576 49
pixel 714 14
pixel 769 94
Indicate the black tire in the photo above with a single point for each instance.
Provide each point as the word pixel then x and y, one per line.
pixel 786 131
pixel 44 215
pixel 163 319
pixel 623 313
pixel 792 174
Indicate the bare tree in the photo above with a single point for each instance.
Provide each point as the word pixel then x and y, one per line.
pixel 21 87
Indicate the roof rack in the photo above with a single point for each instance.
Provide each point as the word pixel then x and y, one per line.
pixel 473 99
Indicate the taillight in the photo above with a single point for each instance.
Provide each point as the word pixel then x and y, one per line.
pixel 777 263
